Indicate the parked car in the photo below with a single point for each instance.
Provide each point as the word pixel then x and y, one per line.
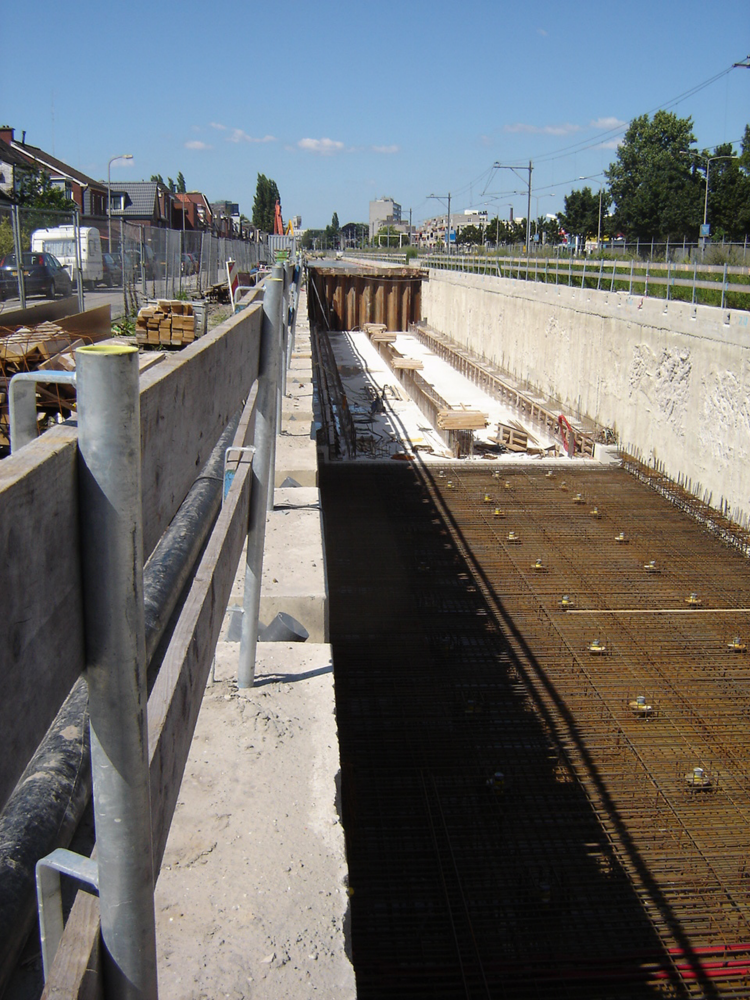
pixel 8 285
pixel 43 274
pixel 126 262
pixel 133 255
pixel 61 243
pixel 112 270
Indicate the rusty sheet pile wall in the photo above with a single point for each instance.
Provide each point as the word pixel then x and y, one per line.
pixel 341 299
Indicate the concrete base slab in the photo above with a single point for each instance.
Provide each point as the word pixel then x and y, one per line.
pixel 298 365
pixel 296 456
pixel 296 497
pixel 295 585
pixel 297 410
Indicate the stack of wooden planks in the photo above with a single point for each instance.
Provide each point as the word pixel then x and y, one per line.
pixel 42 348
pixel 513 436
pixel 378 333
pixel 169 322
pixel 461 419
pixel 412 364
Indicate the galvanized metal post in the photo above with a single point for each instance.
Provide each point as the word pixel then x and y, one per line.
pixel 143 261
pixel 22 404
pixel 16 220
pixel 278 271
pixel 295 307
pixel 79 267
pixel 261 496
pixel 112 571
pixel 284 336
pixel 124 279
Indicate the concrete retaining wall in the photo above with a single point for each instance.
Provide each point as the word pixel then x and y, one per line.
pixel 671 379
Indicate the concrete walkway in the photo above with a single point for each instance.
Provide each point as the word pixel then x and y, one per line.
pixel 252 896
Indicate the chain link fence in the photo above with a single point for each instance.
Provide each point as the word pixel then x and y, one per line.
pixel 144 261
pixel 172 263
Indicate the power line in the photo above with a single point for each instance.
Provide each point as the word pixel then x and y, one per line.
pixel 580 147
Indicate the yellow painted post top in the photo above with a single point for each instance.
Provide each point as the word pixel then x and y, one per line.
pixel 104 349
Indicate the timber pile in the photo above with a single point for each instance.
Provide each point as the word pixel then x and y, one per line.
pixel 43 347
pixel 169 322
pixel 513 436
pixel 399 362
pixel 378 333
pixel 461 419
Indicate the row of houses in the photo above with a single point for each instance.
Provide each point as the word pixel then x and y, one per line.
pixel 146 203
pixel 386 213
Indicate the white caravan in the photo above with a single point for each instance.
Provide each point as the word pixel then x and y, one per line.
pixel 61 243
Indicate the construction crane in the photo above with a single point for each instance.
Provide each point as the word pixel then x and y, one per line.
pixel 278 222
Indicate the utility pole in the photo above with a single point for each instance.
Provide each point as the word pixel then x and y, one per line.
pixel 509 166
pixel 443 197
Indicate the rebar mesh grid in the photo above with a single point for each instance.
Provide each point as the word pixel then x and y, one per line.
pixel 601 866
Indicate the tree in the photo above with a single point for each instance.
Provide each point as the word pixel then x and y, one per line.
pixel 728 192
pixel 181 189
pixel 497 231
pixel 581 213
pixel 264 203
pixel 332 231
pixel 656 193
pixel 471 235
pixel 549 229
pixel 43 203
pixel 6 236
pixel 158 178
pixel 389 236
pixel 310 237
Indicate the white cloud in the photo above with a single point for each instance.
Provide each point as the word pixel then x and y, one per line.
pixel 607 123
pixel 566 129
pixel 542 32
pixel 238 135
pixel 385 149
pixel 197 144
pixel 219 127
pixel 325 147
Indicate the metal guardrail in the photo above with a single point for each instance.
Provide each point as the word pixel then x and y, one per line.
pixel 699 284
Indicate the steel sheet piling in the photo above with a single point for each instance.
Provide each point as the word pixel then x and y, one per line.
pixel 112 571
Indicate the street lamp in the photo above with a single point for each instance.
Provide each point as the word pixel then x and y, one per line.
pixel 709 160
pixel 122 156
pixel 442 197
pixel 601 192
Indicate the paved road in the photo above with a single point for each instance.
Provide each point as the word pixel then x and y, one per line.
pixel 91 300
pixel 99 297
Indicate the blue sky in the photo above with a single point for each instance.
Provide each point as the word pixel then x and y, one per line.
pixel 342 102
